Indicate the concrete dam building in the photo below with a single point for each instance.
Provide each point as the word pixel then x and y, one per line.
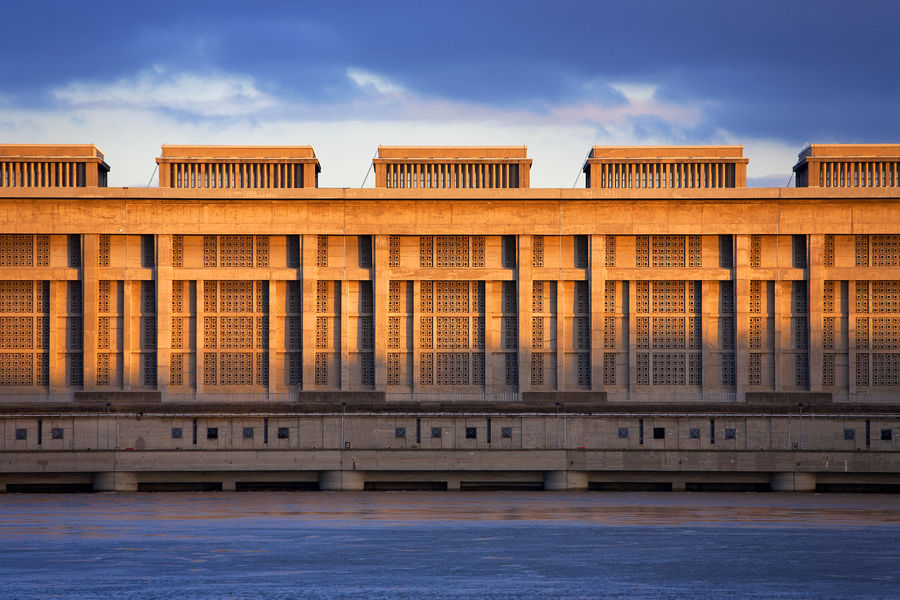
pixel 239 327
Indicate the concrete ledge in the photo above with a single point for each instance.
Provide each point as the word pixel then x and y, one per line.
pixel 339 398
pixel 564 398
pixel 789 398
pixel 119 397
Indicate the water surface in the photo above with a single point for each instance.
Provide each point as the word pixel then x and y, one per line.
pixel 449 545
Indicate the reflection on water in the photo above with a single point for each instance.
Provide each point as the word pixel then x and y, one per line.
pixel 449 545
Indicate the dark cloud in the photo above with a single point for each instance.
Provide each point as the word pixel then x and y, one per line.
pixel 766 69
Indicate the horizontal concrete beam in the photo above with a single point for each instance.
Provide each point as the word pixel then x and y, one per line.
pixel 450 460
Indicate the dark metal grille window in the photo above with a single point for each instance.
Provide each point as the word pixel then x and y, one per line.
pixel 435 432
pixel 694 433
pixel 471 433
pixel 21 434
pixel 506 432
pixel 849 434
pixel 212 433
pixel 248 433
pixel 283 433
pixel 400 432
pixel 887 434
pixel 659 433
pixel 730 433
pixel 56 433
pixel 623 432
pixel 177 433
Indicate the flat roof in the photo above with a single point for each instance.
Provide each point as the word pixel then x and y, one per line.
pixel 259 152
pixel 74 151
pixel 850 151
pixel 452 152
pixel 666 152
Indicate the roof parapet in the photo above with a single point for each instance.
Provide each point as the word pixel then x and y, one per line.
pixel 848 165
pixel 446 167
pixel 238 167
pixel 52 165
pixel 666 167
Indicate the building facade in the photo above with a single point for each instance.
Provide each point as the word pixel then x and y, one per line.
pixel 666 281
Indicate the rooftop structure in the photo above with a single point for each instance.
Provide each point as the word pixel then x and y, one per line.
pixel 669 167
pixel 232 167
pixel 52 165
pixel 442 167
pixel 848 165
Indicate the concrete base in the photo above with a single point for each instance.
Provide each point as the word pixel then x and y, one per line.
pixel 565 480
pixel 114 481
pixel 341 480
pixel 792 482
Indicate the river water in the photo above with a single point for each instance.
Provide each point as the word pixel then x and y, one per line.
pixel 493 545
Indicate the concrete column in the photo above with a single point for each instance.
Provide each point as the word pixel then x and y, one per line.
pixel 709 304
pixel 632 337
pixel 229 486
pixel 565 480
pixel 114 481
pixel 816 291
pixel 342 481
pixel 851 338
pixel 200 338
pixel 308 287
pixel 164 276
pixel 90 308
pixel 56 376
pixel 524 275
pixel 276 318
pixel 741 314
pixel 490 333
pixel 792 482
pixel 416 328
pixel 562 336
pixel 598 289
pixel 779 297
pixel 343 310
pixel 128 344
pixel 380 285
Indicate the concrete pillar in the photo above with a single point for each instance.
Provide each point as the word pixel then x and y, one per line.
pixel 164 274
pixel 380 285
pixel 597 291
pixel 453 484
pixel 565 480
pixel 229 486
pixel 114 481
pixel 679 486
pixel 524 276
pixel 353 481
pixel 792 482
pixel 308 276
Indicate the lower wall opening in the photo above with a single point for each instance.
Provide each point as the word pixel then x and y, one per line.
pixel 48 488
pixel 405 486
pixel 500 486
pixel 179 486
pixel 276 486
pixel 726 486
pixel 858 488
pixel 630 486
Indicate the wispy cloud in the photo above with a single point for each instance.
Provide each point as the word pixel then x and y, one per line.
pixel 210 95
pixel 130 117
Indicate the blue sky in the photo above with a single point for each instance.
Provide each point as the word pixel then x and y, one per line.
pixel 347 76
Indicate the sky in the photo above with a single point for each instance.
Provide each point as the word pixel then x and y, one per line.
pixel 345 77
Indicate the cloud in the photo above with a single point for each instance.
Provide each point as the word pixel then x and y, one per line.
pixel 377 83
pixel 635 91
pixel 130 117
pixel 205 95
